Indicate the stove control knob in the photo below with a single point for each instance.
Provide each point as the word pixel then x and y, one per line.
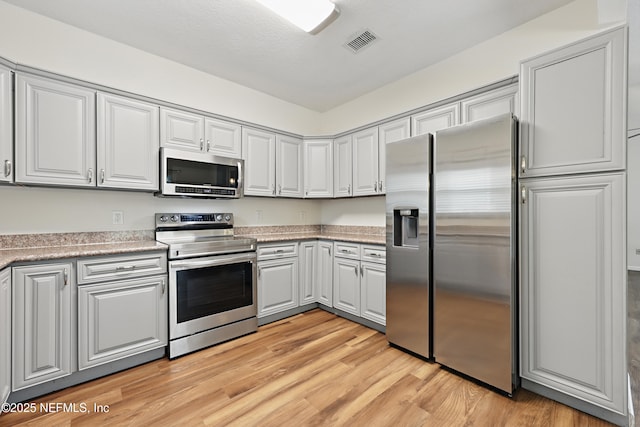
pixel 175 218
pixel 227 217
pixel 164 218
pixel 218 217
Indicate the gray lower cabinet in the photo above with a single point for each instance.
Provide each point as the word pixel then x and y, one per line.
pixel 120 319
pixel 324 272
pixel 122 306
pixel 308 288
pixel 42 326
pixel 5 334
pixel 359 280
pixel 277 278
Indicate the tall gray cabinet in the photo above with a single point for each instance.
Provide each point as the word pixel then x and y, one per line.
pixel 572 219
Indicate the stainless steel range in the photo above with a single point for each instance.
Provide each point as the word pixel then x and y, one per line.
pixel 212 280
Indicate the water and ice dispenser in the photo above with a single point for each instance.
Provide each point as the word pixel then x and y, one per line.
pixel 405 228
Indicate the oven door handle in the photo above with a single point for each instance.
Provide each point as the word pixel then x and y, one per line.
pixel 211 262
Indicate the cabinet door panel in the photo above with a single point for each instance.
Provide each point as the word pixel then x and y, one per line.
pixel 342 167
pixel 179 129
pixel 435 119
pixel 55 133
pixel 223 138
pixel 574 108
pixel 324 273
pixel 259 151
pixel 573 282
pixel 491 104
pixel 318 168
pixel 6 126
pixel 120 319
pixel 128 143
pixel 277 286
pixel 387 133
pixel 365 162
pixel 42 322
pixel 308 273
pixel 374 289
pixel 346 285
pixel 289 166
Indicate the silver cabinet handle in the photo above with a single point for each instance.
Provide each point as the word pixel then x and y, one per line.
pixel 7 168
pixel 201 144
pixel 90 175
pixel 523 164
pixel 349 189
pixel 273 190
pixel 375 254
pixel 306 192
pixel 362 271
pixel 329 251
pixel 66 277
pixel 124 268
pixel 279 190
pixel 523 193
pixel 259 272
pixel 208 145
pixel 380 186
pixel 375 186
pixel 101 176
pixel 356 269
pixel 162 282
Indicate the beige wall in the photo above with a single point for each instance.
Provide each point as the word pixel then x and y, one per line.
pixel 40 42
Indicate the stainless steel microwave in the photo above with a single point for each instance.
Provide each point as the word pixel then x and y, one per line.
pixel 190 174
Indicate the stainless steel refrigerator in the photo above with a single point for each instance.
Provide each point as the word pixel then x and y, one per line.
pixel 474 253
pixel 408 297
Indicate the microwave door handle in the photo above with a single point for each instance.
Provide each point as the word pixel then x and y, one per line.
pixel 240 177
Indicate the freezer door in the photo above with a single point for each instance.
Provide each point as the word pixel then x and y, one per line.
pixel 474 255
pixel 407 220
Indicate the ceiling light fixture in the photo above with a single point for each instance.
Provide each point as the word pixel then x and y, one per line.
pixel 310 15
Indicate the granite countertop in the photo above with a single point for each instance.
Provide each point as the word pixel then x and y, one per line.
pixel 40 247
pixel 354 234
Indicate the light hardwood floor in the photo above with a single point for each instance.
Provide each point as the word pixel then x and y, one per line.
pixel 313 369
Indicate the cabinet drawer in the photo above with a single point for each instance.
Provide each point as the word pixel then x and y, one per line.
pixel 347 250
pixel 100 269
pixel 374 254
pixel 280 250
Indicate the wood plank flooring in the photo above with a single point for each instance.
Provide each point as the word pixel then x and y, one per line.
pixel 313 369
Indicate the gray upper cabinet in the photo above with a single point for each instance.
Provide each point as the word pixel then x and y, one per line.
pixel 55 133
pixel 259 153
pixel 179 129
pixel 42 323
pixel 490 104
pixel 289 164
pixel 318 168
pixel 387 133
pixel 365 162
pixel 5 334
pixel 194 132
pixel 573 103
pixel 342 166
pixel 6 126
pixel 435 119
pixel 127 143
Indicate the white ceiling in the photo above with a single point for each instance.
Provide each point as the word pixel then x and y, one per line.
pixel 241 41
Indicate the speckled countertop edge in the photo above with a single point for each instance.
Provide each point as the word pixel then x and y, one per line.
pixel 354 234
pixel 41 247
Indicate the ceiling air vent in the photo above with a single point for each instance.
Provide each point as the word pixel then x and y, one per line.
pixel 360 40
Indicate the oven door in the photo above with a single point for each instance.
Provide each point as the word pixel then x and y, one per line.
pixel 209 292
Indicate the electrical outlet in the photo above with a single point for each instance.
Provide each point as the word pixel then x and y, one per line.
pixel 117 217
